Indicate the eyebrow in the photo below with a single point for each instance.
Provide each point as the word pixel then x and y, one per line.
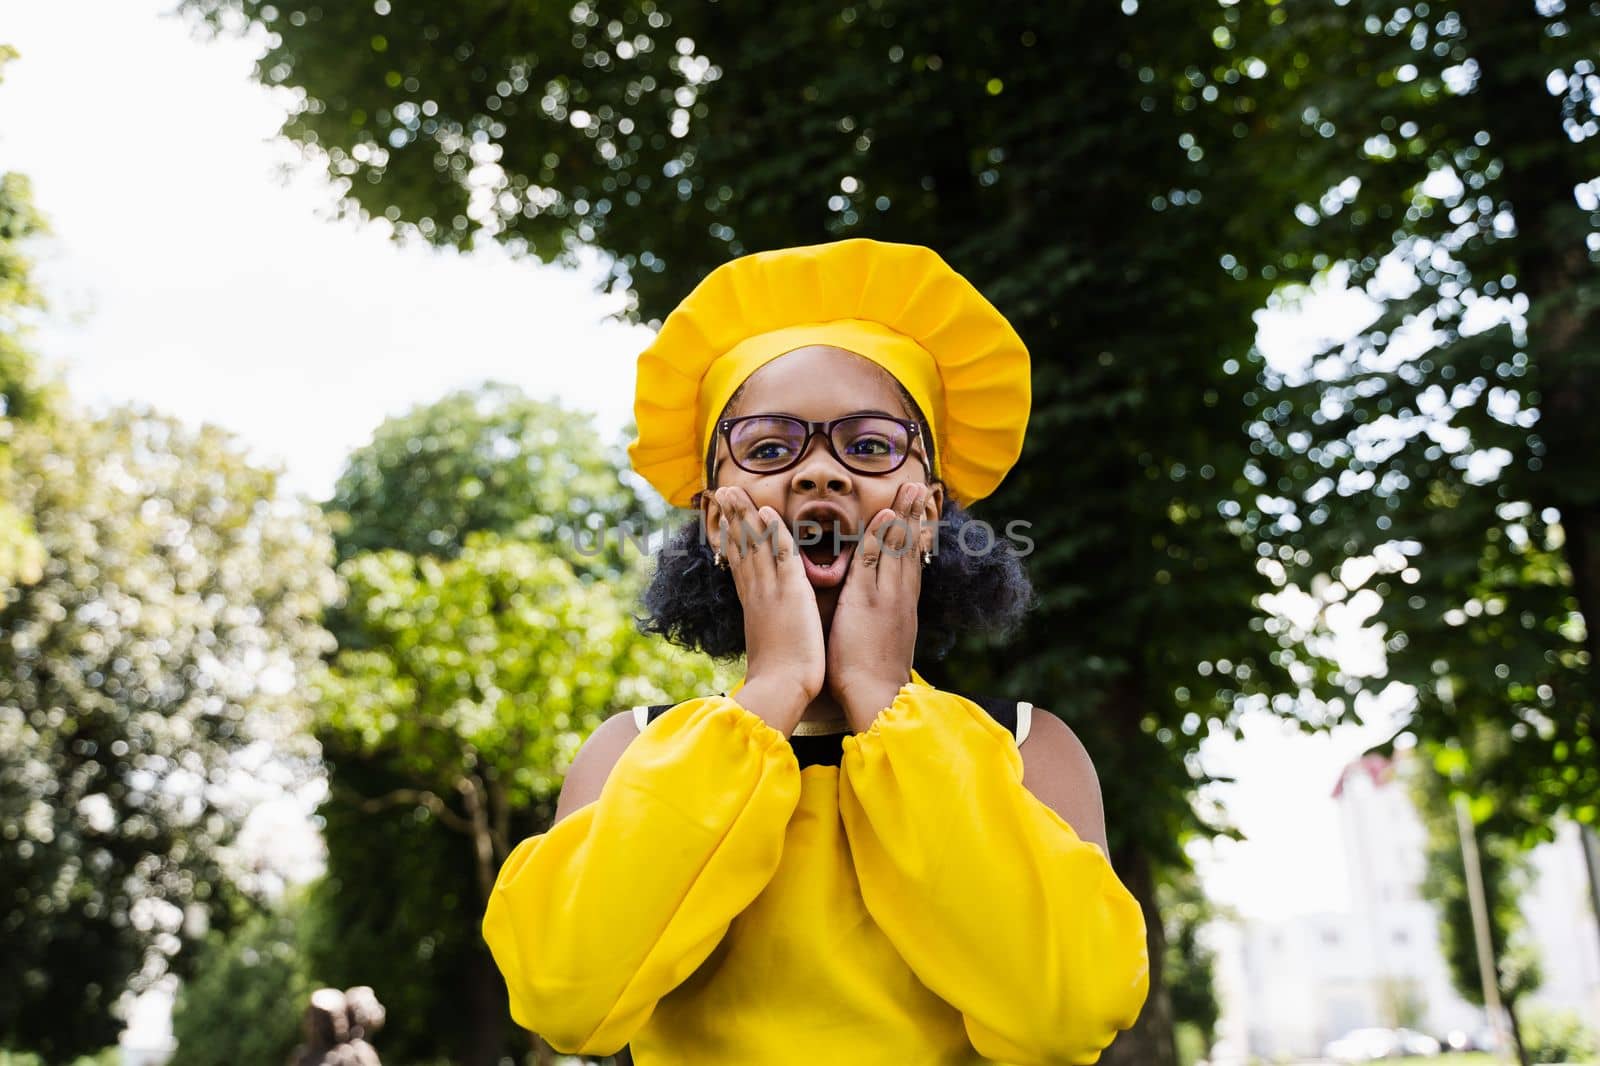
pixel 852 414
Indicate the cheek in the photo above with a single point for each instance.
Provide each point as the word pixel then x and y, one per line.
pixel 880 495
pixel 764 491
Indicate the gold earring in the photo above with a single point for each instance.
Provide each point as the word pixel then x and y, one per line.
pixel 718 561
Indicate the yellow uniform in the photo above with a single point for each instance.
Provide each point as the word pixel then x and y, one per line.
pixel 913 904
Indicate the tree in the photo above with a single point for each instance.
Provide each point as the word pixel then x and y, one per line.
pixel 1506 872
pixel 485 459
pixel 173 625
pixel 489 670
pixel 1049 153
pixel 1190 963
pixel 480 644
pixel 247 993
pixel 1442 157
pixel 24 395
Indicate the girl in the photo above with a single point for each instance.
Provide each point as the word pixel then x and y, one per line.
pixel 835 861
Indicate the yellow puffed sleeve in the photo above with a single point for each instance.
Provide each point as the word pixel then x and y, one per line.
pixel 595 920
pixel 990 896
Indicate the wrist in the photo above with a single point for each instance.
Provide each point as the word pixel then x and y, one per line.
pixel 778 701
pixel 864 699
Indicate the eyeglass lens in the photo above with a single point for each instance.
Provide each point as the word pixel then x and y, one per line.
pixel 866 444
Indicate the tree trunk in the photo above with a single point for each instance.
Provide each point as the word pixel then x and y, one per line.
pixel 1582 527
pixel 1151 1042
pixel 484 1033
pixel 1516 1031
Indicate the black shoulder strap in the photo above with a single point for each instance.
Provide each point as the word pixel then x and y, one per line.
pixel 1000 709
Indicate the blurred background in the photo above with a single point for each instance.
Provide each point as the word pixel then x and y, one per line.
pixel 317 327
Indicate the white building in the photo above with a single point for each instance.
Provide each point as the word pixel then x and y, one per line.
pixel 1290 986
pixel 1561 920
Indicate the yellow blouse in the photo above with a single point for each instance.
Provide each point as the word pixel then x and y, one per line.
pixel 914 904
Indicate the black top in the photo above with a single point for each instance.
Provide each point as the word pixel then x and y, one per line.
pixel 828 748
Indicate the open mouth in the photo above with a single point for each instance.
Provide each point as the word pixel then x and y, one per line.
pixel 826 561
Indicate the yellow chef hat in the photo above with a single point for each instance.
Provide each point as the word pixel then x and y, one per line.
pixel 899 305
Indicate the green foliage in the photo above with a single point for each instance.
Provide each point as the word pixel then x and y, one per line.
pixel 1506 876
pixel 1557 1036
pixel 1128 189
pixel 24 396
pixel 1036 148
pixel 1189 966
pixel 173 624
pixel 478 650
pixel 496 663
pixel 399 910
pixel 482 459
pixel 111 1056
pixel 1443 155
pixel 247 993
pixel 1403 1002
pixel 1193 1045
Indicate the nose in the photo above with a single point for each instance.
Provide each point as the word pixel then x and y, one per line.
pixel 818 467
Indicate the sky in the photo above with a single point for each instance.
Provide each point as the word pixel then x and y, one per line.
pixel 185 272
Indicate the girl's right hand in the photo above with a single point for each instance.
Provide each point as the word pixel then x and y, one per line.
pixel 786 657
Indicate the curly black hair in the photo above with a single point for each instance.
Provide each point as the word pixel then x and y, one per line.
pixel 974 585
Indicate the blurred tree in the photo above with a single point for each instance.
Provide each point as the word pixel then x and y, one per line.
pixel 247 992
pixel 488 458
pixel 486 673
pixel 1506 875
pixel 1190 963
pixel 1558 1036
pixel 1445 159
pixel 173 625
pixel 24 395
pixel 111 1056
pixel 1403 1003
pixel 1048 152
pixel 1271 141
pixel 478 649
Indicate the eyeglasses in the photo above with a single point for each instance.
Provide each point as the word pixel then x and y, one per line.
pixel 865 444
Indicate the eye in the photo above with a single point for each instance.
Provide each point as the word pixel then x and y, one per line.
pixel 870 445
pixel 767 449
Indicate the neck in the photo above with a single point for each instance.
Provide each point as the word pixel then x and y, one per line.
pixel 823 709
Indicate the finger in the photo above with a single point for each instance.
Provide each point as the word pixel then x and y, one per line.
pixel 753 527
pixel 901 534
pixel 719 515
pixel 777 545
pixel 928 531
pixel 908 539
pixel 894 530
pixel 760 534
pixel 735 525
pixel 870 554
pixel 765 547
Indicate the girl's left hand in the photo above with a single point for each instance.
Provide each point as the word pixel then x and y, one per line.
pixel 873 636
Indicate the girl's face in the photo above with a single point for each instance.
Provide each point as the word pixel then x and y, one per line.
pixel 820 383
